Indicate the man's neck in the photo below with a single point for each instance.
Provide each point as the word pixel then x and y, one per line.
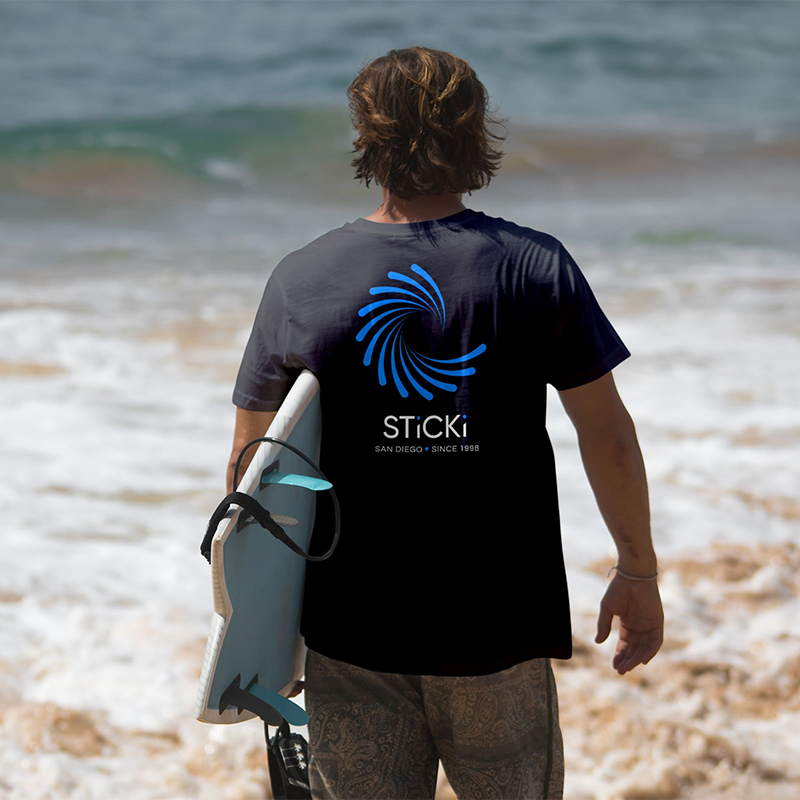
pixel 425 207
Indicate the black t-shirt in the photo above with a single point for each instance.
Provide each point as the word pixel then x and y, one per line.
pixel 433 343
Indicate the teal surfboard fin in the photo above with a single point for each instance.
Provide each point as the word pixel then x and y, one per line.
pixel 272 707
pixel 271 475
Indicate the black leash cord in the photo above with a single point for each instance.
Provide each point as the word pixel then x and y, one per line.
pixel 261 515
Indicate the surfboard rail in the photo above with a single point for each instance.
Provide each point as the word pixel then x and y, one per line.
pixel 268 600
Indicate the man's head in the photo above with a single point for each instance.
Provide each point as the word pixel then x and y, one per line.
pixel 422 122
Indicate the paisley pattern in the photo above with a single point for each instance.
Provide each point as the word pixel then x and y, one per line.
pixel 380 735
pixel 409 369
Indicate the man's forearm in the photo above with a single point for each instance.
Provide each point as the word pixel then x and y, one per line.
pixel 248 457
pixel 615 469
pixel 250 425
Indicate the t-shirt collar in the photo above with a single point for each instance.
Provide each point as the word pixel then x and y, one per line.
pixel 405 228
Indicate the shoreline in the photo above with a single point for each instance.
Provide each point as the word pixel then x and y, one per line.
pixel 98 177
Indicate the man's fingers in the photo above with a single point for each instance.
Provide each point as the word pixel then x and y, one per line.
pixel 633 655
pixel 623 652
pixel 641 647
pixel 603 625
pixel 652 649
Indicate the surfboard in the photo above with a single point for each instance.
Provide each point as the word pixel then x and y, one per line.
pixel 255 651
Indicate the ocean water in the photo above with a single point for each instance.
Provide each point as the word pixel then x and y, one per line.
pixel 158 159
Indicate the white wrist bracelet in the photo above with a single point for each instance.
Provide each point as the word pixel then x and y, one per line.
pixel 634 577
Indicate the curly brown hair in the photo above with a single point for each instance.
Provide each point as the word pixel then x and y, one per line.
pixel 422 119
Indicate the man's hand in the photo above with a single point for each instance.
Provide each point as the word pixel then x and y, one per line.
pixel 298 687
pixel 641 621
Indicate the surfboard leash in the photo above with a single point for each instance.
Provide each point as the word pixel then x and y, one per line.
pixel 262 515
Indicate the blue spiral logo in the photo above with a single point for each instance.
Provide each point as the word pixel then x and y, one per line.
pixel 386 329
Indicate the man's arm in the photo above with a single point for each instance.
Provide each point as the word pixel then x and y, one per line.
pixel 249 425
pixel 615 469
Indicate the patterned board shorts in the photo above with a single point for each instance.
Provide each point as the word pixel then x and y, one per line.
pixel 380 735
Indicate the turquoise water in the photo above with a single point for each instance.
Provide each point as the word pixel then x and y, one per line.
pixel 204 97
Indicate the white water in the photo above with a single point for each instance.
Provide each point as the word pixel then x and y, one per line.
pixel 116 369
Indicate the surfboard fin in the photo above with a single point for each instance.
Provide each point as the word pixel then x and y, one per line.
pixel 272 707
pixel 272 476
pixel 253 511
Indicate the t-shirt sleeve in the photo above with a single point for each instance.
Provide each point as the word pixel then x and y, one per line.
pixel 269 366
pixel 584 344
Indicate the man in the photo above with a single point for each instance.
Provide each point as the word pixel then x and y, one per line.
pixel 434 329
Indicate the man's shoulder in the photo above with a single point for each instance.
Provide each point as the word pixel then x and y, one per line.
pixel 311 254
pixel 539 255
pixel 524 233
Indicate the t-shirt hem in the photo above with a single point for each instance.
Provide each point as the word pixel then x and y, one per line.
pixel 442 667
pixel 614 358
